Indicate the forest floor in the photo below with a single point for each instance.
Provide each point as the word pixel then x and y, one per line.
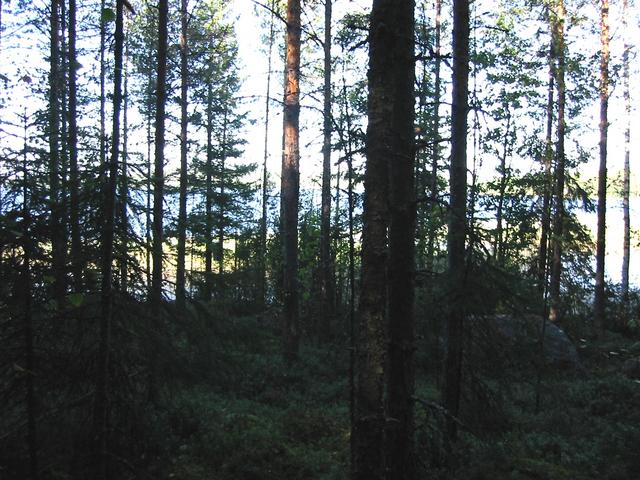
pixel 257 418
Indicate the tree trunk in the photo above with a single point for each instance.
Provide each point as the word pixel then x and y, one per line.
pixel 545 221
pixel 30 360
pixel 435 153
pixel 400 445
pixel 221 212
pixel 290 186
pixel 456 235
pixel 55 188
pixel 158 184
pixel 368 430
pixel 182 214
pixel 124 179
pixel 558 19
pixel 599 299
pixel 626 186
pixel 265 173
pixel 498 247
pixel 208 234
pixel 327 279
pixel 101 403
pixel 74 185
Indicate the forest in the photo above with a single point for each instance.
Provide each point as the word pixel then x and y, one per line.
pixel 319 239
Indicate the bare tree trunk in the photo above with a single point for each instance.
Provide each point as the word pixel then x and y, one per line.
pixel 290 186
pixel 101 404
pixel 400 445
pixel 158 184
pixel 184 146
pixel 456 236
pixel 626 185
pixel 558 19
pixel 327 278
pixel 599 299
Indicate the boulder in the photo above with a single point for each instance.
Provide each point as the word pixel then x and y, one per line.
pixel 631 368
pixel 514 340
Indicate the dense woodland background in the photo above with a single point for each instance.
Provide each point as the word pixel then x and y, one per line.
pixel 431 298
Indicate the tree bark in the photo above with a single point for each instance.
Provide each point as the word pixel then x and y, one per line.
pixel 55 187
pixel 457 222
pixel 101 404
pixel 265 172
pixel 557 21
pixel 30 357
pixel 327 278
pixel 599 298
pixel 182 214
pixel 626 185
pixel 124 178
pixel 158 183
pixel 74 182
pixel 400 445
pixel 208 234
pixel 290 185
pixel 545 221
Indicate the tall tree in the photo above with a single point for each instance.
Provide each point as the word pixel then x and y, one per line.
pixel 27 291
pixel 599 299
pixel 388 206
pixel 626 185
pixel 290 183
pixel 101 403
pixel 155 295
pixel 55 188
pixel 327 279
pixel 74 182
pixel 557 232
pixel 401 461
pixel 182 214
pixel 457 222
pixel 545 224
pixel 265 171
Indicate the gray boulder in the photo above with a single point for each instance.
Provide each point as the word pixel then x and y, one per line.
pixel 510 340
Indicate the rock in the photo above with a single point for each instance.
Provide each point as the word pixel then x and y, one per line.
pixel 513 340
pixel 631 368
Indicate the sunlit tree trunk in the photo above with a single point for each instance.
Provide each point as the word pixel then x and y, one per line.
pixel 599 299
pixel 457 222
pixel 557 21
pixel 290 186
